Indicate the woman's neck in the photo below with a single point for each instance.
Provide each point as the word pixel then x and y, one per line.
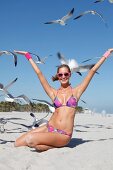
pixel 65 86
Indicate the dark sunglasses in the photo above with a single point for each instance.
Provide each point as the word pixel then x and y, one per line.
pixel 61 74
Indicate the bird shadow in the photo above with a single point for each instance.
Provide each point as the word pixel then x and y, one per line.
pixel 13 130
pixel 26 126
pixel 6 141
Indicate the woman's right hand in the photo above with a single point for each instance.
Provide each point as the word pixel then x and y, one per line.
pixel 25 53
pixel 20 52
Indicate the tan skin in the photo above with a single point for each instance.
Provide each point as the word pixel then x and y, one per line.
pixel 63 117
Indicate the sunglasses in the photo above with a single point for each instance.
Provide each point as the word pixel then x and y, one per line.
pixel 60 75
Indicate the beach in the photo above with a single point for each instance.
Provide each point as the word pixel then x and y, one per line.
pixel 91 146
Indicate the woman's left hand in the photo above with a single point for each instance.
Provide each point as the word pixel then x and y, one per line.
pixel 110 49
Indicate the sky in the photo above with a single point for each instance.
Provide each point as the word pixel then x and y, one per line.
pixel 22 28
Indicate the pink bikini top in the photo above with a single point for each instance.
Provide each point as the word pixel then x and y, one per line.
pixel 71 102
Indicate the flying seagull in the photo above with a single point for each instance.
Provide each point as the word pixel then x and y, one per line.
pixel 93 13
pixel 63 20
pixel 74 67
pixel 51 106
pixel 9 97
pixel 10 53
pixel 38 122
pixel 39 60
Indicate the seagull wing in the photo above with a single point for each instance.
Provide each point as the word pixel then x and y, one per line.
pixel 1 52
pixel 1 86
pixel 98 1
pixel 9 95
pixel 36 56
pixel 4 52
pixel 89 59
pixel 62 58
pixel 43 60
pixel 82 101
pixel 68 15
pixel 52 22
pixel 72 64
pixel 44 101
pixel 101 17
pixel 14 56
pixel 10 84
pixel 83 68
pixel 84 13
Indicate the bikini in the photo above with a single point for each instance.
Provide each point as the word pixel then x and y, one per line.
pixel 71 102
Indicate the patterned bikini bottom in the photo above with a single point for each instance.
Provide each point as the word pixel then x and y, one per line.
pixel 52 129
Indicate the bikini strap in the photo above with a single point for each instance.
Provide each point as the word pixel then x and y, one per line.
pixel 71 90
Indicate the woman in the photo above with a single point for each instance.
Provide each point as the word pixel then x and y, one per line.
pixel 58 131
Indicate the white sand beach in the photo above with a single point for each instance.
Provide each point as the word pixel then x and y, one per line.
pixel 91 147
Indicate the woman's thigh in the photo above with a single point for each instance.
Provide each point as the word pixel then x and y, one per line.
pixel 47 138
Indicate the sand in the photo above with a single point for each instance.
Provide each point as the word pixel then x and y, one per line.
pixel 91 147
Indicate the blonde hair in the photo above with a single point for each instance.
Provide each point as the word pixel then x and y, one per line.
pixel 55 78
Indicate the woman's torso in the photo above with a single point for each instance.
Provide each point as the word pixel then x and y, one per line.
pixel 63 117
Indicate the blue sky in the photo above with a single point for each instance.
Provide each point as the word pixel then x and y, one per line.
pixel 22 28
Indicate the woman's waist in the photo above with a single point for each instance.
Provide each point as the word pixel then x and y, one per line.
pixel 62 123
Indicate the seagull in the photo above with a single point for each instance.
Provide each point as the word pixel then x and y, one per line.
pixel 62 21
pixel 93 13
pixel 9 97
pixel 38 122
pixel 39 61
pixel 73 65
pixel 51 106
pixel 10 53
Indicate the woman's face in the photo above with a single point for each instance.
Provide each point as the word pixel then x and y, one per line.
pixel 63 75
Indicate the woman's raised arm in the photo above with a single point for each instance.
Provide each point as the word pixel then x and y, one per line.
pixel 82 87
pixel 48 89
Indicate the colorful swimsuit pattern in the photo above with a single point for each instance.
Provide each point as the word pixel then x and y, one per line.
pixel 71 102
pixel 52 129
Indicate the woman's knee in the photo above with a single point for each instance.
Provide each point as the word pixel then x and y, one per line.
pixel 29 141
pixel 16 144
